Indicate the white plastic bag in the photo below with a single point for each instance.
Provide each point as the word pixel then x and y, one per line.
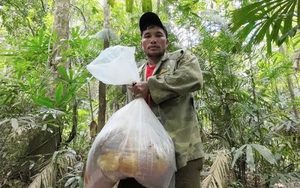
pixel 116 66
pixel 133 143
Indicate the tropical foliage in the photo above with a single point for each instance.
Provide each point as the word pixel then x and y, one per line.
pixel 248 108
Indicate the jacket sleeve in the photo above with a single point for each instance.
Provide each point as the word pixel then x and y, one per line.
pixel 186 77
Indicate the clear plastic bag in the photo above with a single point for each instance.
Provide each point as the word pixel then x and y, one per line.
pixel 133 143
pixel 115 65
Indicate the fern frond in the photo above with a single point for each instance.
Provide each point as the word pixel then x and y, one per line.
pixel 219 171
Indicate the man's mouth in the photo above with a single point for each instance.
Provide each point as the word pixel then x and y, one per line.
pixel 153 47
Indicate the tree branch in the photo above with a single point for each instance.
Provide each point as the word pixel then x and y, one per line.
pixel 84 20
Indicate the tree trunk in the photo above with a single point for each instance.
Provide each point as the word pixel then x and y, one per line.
pixel 61 28
pixel 102 86
pixel 47 142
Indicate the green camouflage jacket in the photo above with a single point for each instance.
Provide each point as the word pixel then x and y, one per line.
pixel 171 87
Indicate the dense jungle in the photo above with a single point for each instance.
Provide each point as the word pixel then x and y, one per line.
pixel 51 107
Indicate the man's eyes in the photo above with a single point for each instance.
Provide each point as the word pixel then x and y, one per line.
pixel 157 36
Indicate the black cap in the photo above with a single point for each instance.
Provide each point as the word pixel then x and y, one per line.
pixel 148 19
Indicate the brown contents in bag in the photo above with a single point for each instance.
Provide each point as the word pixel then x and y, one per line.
pixel 129 165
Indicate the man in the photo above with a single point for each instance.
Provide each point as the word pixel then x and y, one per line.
pixel 169 80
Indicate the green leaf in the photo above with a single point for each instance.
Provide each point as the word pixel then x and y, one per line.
pixel 129 6
pixel 298 13
pixel 237 155
pixel 245 15
pixel 41 36
pixel 111 2
pixel 80 182
pixel 59 92
pixel 68 95
pixel 71 73
pixel 44 101
pixel 291 33
pixel 265 152
pixel 289 17
pixel 250 158
pixel 147 5
pixel 269 40
pixel 258 19
pixel 63 72
pixel 275 31
pixel 94 10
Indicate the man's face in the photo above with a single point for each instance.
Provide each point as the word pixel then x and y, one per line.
pixel 154 41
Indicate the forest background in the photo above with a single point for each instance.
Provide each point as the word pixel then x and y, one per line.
pixel 51 107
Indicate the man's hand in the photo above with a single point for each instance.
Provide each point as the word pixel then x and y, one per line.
pixel 139 90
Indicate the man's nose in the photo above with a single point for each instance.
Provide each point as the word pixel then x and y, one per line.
pixel 153 40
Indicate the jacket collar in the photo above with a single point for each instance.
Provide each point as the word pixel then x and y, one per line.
pixel 164 58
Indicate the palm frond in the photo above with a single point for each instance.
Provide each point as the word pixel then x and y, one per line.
pixel 46 178
pixel 61 160
pixel 219 171
pixel 267 19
